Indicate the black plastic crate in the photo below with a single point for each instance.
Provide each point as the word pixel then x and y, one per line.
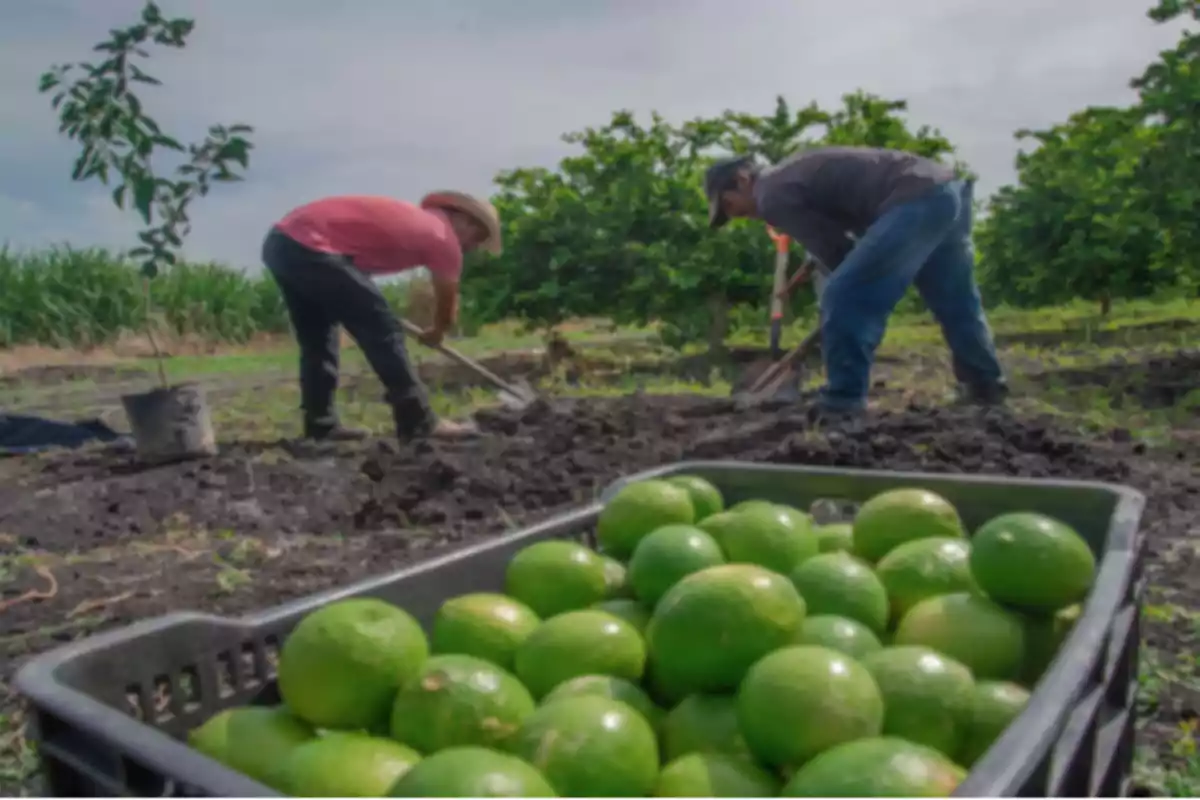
pixel 110 712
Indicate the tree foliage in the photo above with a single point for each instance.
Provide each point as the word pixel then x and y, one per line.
pixel 1105 205
pixel 99 110
pixel 619 229
pixel 1079 223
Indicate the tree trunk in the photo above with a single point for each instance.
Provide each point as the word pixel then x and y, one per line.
pixel 558 349
pixel 718 326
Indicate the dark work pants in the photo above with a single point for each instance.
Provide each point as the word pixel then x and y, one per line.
pixel 323 291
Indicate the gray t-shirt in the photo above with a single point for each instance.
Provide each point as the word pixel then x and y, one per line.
pixel 819 196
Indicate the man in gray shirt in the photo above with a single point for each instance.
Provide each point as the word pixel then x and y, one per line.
pixel 911 222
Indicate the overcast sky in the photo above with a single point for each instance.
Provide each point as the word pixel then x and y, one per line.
pixel 400 97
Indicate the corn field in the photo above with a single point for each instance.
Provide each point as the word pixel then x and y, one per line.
pixel 69 297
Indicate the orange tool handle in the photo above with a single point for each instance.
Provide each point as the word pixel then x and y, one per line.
pixel 782 240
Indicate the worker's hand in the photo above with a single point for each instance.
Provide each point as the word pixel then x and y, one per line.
pixel 432 336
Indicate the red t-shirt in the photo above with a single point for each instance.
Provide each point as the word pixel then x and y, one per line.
pixel 380 234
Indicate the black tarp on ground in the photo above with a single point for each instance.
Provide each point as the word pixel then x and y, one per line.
pixel 21 434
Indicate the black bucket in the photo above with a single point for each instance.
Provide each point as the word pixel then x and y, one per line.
pixel 171 424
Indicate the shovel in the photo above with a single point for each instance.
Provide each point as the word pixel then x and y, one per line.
pixel 782 379
pixel 782 244
pixel 515 395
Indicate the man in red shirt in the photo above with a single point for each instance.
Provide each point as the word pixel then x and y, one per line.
pixel 323 256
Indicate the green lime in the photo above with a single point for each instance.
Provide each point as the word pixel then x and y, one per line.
pixel 343 664
pixel 591 746
pixel 892 518
pixel 212 736
pixel 988 639
pixel 253 740
pixel 457 701
pixel 802 700
pixel 667 555
pixel 706 498
pixel 472 772
pixel 638 508
pixel 770 536
pixel 839 633
pixel 800 519
pixel 556 576
pixel 616 578
pixel 485 625
pixel 346 765
pixel 882 766
pixel 842 585
pixel 714 775
pixel 579 643
pixel 1044 636
pixel 1032 562
pixel 836 536
pixel 994 706
pixel 613 688
pixel 746 505
pixel 927 696
pixel 748 610
pixel 703 723
pixel 924 568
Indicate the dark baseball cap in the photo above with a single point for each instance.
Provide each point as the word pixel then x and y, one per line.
pixel 721 177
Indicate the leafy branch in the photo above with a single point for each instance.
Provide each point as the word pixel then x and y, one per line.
pixel 98 108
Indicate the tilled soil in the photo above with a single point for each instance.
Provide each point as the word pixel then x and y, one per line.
pixel 1152 383
pixel 1123 335
pixel 102 542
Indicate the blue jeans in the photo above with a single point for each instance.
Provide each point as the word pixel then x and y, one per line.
pixel 926 242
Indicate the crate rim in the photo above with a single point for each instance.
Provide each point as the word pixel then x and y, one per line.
pixel 1032 732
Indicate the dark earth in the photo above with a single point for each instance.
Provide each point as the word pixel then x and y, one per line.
pixel 100 542
pixel 1123 335
pixel 1152 383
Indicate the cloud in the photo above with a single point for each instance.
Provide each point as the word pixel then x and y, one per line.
pixel 400 98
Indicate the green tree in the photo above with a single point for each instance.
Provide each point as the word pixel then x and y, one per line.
pixel 1078 224
pixel 1169 97
pixel 1104 207
pixel 98 109
pixel 620 229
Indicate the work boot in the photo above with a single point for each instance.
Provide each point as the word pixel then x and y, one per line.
pixel 443 429
pixel 449 429
pixel 335 433
pixel 415 420
pixel 983 396
pixel 823 415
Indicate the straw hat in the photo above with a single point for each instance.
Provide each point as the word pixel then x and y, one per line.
pixel 481 211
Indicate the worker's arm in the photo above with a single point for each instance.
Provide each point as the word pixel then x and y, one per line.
pixel 822 237
pixel 445 312
pixel 445 269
